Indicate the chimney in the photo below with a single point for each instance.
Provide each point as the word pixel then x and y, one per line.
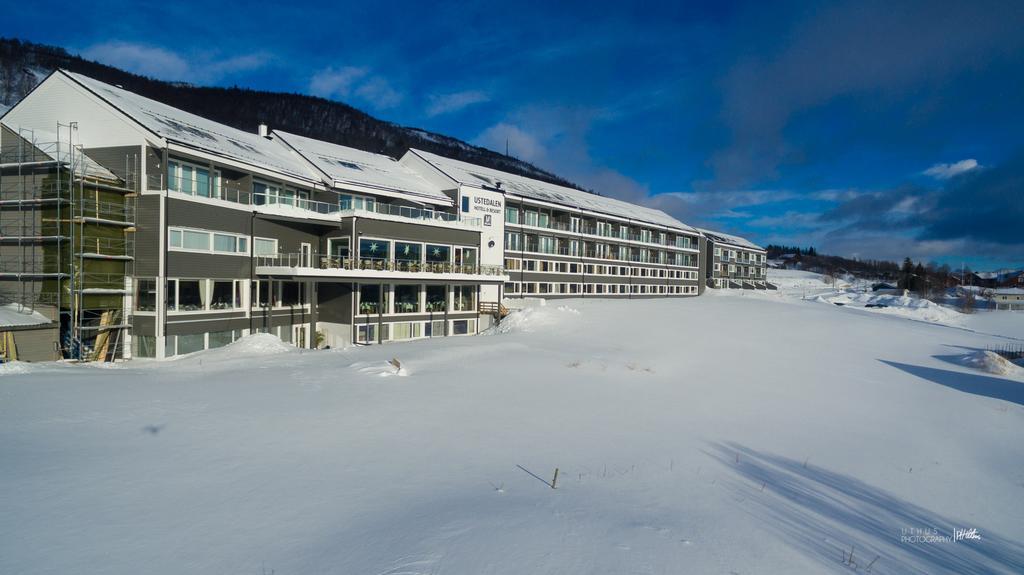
pixel 264 130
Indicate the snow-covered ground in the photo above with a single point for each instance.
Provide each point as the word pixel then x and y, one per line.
pixel 736 433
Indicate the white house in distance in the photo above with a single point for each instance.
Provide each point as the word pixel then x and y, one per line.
pixel 1009 299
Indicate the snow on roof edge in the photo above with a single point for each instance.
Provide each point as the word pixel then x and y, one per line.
pixel 185 128
pixel 360 167
pixel 724 238
pixel 535 189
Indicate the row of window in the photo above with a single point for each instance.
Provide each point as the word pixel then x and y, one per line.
pixel 193 240
pixel 407 252
pixel 402 330
pixel 546 266
pixel 543 218
pixel 516 242
pixel 738 255
pixel 145 345
pixel 543 288
pixel 197 180
pixel 193 180
pixel 376 299
pixel 215 295
pixel 748 271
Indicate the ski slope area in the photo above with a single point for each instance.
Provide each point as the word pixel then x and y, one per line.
pixel 754 433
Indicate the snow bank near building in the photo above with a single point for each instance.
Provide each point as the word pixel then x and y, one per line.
pixel 532 314
pixel 992 362
pixel 910 307
pixel 797 283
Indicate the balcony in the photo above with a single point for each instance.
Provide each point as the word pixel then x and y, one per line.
pixel 295 205
pixel 593 231
pixel 326 267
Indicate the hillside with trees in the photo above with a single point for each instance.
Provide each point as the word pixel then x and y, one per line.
pixel 24 64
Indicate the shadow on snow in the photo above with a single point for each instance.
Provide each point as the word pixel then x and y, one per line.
pixel 822 514
pixel 984 385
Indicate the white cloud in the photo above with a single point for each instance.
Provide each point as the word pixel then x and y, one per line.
pixel 947 171
pixel 448 103
pixel 157 62
pixel 140 59
pixel 331 82
pixel 378 93
pixel 355 82
pixel 520 144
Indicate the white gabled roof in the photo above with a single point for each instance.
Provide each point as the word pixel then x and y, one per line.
pixel 197 132
pixel 351 167
pixel 721 238
pixel 473 175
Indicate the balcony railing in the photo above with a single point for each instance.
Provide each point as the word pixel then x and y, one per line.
pixel 606 233
pixel 288 201
pixel 350 264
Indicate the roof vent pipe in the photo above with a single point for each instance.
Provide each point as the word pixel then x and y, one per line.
pixel 264 130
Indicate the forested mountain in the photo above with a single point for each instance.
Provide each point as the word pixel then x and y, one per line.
pixel 25 64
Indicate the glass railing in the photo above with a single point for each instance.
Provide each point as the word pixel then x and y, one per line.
pixel 608 233
pixel 416 213
pixel 369 264
pixel 206 189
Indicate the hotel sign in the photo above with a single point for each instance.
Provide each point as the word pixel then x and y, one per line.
pixel 487 208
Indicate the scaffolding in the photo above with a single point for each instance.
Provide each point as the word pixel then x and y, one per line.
pixel 67 239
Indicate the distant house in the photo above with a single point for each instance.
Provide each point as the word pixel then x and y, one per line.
pixel 883 286
pixel 984 279
pixel 1008 299
pixel 1010 279
pixel 1004 278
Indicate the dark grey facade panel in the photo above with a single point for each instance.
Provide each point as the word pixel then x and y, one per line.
pixel 147 236
pixel 335 302
pixel 144 325
pixel 203 266
pixel 185 213
pixel 274 318
pixel 124 161
pixel 415 232
pixel 190 327
pixel 154 168
pixel 289 234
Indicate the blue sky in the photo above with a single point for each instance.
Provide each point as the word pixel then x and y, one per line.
pixel 867 129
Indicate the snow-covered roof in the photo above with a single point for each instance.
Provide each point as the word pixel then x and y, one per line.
pixel 721 238
pixel 197 132
pixel 16 315
pixel 473 175
pixel 344 165
pixel 1009 291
